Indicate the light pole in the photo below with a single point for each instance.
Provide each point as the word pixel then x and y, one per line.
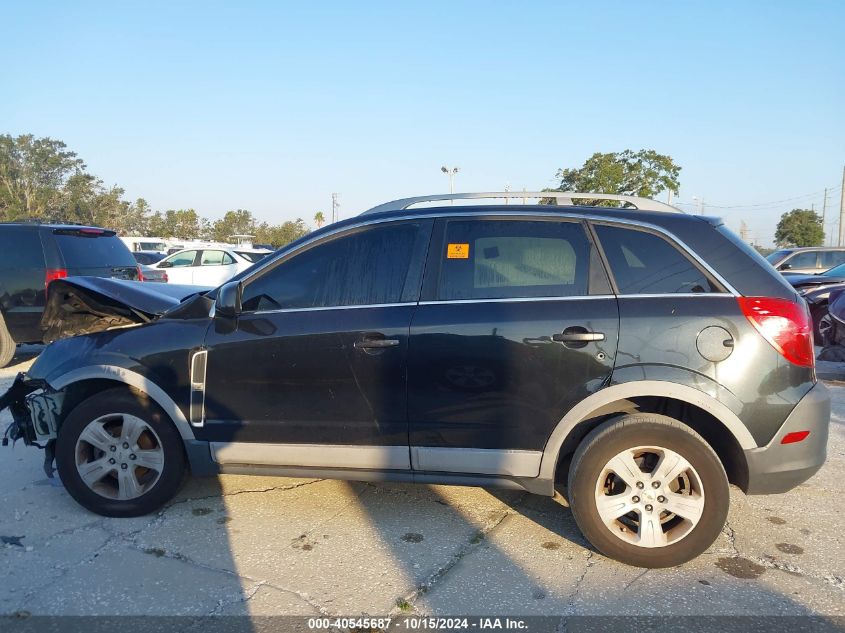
pixel 450 171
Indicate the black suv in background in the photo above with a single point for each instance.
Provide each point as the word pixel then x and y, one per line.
pixel 638 360
pixel 32 255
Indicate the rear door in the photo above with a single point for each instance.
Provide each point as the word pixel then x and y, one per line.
pixel 517 323
pixel 94 252
pixel 215 267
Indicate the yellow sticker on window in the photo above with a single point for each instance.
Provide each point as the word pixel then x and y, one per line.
pixel 457 251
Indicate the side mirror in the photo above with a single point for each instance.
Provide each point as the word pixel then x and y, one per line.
pixel 784 266
pixel 228 303
pixel 165 264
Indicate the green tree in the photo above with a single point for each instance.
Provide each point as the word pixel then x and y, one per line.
pixel 33 173
pixel 319 219
pixel 237 222
pixel 800 227
pixel 644 173
pixel 181 223
pixel 281 234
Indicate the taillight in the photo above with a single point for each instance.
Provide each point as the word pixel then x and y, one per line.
pixel 786 325
pixel 53 274
pixel 165 278
pixel 140 274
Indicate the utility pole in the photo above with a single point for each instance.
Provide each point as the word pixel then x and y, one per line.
pixel 842 210
pixel 824 212
pixel 335 207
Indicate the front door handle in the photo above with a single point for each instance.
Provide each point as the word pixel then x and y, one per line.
pixel 376 343
pixel 578 337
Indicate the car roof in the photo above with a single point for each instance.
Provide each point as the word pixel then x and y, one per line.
pixel 50 225
pixel 796 249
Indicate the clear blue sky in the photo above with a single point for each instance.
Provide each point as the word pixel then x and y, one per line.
pixel 272 106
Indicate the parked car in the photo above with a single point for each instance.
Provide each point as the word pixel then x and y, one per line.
pixel 816 289
pixel 148 258
pixel 208 266
pixel 814 259
pixel 639 360
pixel 145 260
pixel 833 323
pixel 36 254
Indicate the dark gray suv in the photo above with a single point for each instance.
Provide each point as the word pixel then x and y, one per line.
pixel 638 360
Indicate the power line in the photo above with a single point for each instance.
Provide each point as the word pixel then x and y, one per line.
pixel 768 204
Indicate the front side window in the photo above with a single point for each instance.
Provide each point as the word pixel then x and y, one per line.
pixel 367 267
pixel 645 263
pixel 807 259
pixel 497 259
pixel 185 258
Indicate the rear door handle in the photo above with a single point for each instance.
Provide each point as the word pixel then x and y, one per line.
pixel 578 337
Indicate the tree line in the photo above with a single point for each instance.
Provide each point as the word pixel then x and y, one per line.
pixel 42 180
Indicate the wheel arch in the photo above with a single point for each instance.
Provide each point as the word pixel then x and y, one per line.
pixel 715 422
pixel 86 381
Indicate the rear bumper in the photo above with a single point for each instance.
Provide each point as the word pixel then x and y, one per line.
pixel 780 467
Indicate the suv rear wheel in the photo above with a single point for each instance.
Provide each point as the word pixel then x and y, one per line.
pixel 119 455
pixel 648 491
pixel 7 345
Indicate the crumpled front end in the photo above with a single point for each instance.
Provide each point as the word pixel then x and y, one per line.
pixel 35 409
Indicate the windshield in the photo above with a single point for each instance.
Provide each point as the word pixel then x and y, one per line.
pixel 774 258
pixel 252 257
pixel 836 271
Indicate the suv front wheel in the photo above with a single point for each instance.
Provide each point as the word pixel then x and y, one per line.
pixel 119 455
pixel 648 491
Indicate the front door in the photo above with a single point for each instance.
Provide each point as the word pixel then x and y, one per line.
pixel 313 372
pixel 517 324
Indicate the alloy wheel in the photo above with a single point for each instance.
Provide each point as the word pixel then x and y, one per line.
pixel 649 496
pixel 119 456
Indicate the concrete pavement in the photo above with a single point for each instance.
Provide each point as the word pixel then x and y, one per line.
pixel 262 546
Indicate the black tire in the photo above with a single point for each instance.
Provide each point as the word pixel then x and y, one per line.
pixel 121 401
pixel 816 314
pixel 645 429
pixel 7 345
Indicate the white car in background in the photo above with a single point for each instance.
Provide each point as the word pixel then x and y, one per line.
pixel 208 266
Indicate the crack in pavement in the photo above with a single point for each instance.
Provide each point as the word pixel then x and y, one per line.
pixel 475 542
pixel 834 581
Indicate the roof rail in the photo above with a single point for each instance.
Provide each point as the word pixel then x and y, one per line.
pixel 562 198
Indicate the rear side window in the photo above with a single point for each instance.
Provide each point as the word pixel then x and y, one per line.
pixel 829 259
pixel 644 263
pixel 497 259
pixel 365 268
pixel 92 250
pixel 216 258
pixel 21 248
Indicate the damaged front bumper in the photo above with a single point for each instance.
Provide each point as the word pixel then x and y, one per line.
pixel 35 409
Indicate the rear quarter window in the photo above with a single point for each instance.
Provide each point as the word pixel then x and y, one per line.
pixel 645 263
pixel 93 251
